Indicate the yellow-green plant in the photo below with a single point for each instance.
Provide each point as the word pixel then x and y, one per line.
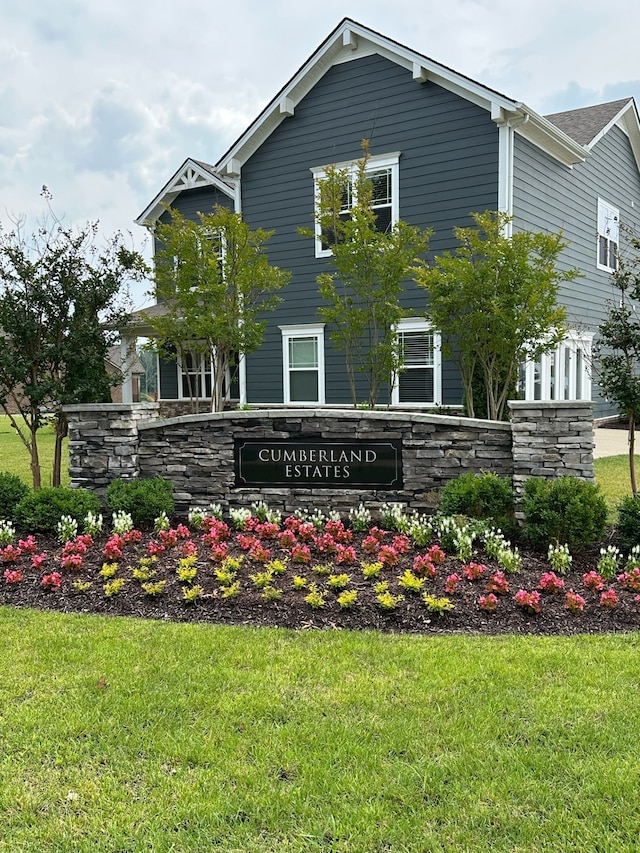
pixel 114 587
pixel 276 567
pixel 347 598
pixel 108 570
pixel 262 579
pixel 186 574
pixel 190 594
pixel 338 581
pixel 142 573
pixel 153 589
pixel 387 601
pixel 299 582
pixel 81 586
pixel 371 570
pixel 315 598
pixel 271 593
pixel 231 591
pixel 440 606
pixel 410 582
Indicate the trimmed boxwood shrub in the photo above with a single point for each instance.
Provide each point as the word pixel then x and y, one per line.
pixel 42 509
pixel 144 499
pixel 484 496
pixel 12 490
pixel 567 510
pixel 629 522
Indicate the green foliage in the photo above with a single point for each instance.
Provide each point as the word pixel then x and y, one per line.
pixel 628 524
pixel 410 582
pixel 347 599
pixel 113 587
pixel 59 311
pixel 216 282
pixel 340 581
pixel 153 589
pixel 143 499
pixel 436 605
pixel 315 598
pixel 371 268
pixel 12 490
pixel 192 593
pixel 484 496
pixel 42 509
pixel 566 510
pixel 617 353
pixel 494 303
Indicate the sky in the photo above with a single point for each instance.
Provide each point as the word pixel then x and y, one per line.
pixel 103 101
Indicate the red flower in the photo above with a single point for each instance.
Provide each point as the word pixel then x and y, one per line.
pixel 592 580
pixel 608 599
pixel 550 582
pixel 451 583
pixel 573 602
pixel 529 601
pixel 52 580
pixel 423 566
pixel 488 602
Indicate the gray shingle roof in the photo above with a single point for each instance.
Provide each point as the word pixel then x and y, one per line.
pixel 585 124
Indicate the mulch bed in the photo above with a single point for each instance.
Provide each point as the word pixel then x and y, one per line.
pixel 291 610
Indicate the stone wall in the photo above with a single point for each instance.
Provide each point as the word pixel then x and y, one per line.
pixel 196 452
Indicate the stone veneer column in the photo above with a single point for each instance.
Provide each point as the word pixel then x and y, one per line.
pixel 103 442
pixel 551 439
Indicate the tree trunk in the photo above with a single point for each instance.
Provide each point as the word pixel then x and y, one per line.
pixel 62 428
pixel 632 447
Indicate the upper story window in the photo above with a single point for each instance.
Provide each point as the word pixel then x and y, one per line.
pixel 383 173
pixel 608 236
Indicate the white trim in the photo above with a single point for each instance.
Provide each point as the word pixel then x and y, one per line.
pixel 505 172
pixel 574 353
pixel 374 163
pixel 419 324
pixel 611 232
pixel 201 372
pixel 303 330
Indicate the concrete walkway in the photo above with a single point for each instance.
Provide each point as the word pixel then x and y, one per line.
pixel 613 442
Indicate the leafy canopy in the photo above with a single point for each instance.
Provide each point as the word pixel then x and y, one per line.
pixel 493 301
pixel 214 278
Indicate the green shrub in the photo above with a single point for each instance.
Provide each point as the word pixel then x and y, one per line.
pixel 143 499
pixel 629 522
pixel 12 490
pixel 484 496
pixel 567 510
pixel 41 509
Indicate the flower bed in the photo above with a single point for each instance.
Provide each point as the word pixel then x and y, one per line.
pixel 402 574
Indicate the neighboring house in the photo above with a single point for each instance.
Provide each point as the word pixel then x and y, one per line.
pixel 123 366
pixel 442 145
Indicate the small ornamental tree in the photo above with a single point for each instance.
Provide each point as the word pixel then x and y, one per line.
pixel 214 278
pixel 59 310
pixel 371 267
pixel 616 360
pixel 494 302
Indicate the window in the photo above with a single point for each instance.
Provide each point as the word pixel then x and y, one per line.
pixel 195 371
pixel 608 236
pixel 561 374
pixel 419 382
pixel 303 360
pixel 383 174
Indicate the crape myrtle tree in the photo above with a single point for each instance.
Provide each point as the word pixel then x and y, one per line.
pixel 60 306
pixel 493 300
pixel 616 359
pixel 214 278
pixel 371 268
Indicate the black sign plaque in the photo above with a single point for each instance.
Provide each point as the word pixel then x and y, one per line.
pixel 319 464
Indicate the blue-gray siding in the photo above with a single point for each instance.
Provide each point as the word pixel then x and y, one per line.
pixel 549 196
pixel 448 168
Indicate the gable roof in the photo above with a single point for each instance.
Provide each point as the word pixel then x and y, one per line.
pixel 351 40
pixel 192 174
pixel 589 124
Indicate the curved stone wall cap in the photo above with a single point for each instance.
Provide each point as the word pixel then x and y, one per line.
pixel 111 407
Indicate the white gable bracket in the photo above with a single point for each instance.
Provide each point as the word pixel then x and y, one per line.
pixel 419 73
pixel 349 39
pixel 287 107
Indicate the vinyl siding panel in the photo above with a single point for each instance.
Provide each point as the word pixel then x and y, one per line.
pixel 551 197
pixel 448 168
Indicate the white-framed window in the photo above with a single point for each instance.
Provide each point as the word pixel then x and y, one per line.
pixel 562 374
pixel 608 236
pixel 383 172
pixel 419 383
pixel 195 375
pixel 303 363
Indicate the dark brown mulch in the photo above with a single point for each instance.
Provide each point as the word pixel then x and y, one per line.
pixel 291 611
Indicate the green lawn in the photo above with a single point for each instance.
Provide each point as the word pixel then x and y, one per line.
pixel 14 457
pixel 122 735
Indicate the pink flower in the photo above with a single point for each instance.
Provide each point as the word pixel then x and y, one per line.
pixel 218 552
pixel 402 544
pixel 370 544
pixel 630 580
pixel 498 583
pixel 436 554
pixel 72 561
pixel 37 560
pixel 573 602
pixel 12 575
pixel 182 531
pixel 113 547
pixel 287 539
pixel 9 554
pixel 306 531
pixel 608 599
pixel 338 531
pixel 246 542
pixel 28 545
pixel 169 538
pixel 451 583
pixel 474 571
pixel 345 555
pixel 592 580
pixel 529 601
pixel 325 543
pixel 267 530
pixel 217 528
pixel 154 549
pixel 133 537
pixel 188 548
pixel 259 553
pixel 550 582
pixel 488 602
pixel 388 556
pixel 423 566
pixel 52 580
pixel 301 554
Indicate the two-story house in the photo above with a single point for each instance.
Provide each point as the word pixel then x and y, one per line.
pixel 442 145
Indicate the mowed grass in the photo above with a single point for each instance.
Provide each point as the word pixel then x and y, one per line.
pixel 122 735
pixel 125 735
pixel 15 459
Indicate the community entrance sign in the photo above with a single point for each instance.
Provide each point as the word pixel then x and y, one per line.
pixel 319 464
